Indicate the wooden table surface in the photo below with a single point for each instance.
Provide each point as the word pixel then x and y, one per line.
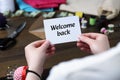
pixel 15 55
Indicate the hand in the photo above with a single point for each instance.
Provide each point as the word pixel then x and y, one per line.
pixel 36 54
pixel 93 42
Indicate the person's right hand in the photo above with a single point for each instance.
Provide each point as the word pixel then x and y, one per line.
pixel 93 42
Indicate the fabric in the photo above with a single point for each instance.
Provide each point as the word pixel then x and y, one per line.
pixel 112 6
pixel 91 6
pixel 86 6
pixel 23 6
pixel 104 66
pixel 44 3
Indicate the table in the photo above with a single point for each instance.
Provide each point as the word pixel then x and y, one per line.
pixel 15 55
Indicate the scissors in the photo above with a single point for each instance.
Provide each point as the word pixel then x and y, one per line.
pixel 10 40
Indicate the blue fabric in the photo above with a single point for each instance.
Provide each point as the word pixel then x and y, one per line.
pixel 23 6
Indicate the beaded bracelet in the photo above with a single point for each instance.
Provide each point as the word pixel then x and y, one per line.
pixel 34 73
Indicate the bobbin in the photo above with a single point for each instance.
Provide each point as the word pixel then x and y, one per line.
pixel 104 30
pixel 111 28
pixel 84 23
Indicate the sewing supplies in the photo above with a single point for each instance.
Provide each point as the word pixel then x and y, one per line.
pixel 83 23
pixel 10 39
pixel 79 14
pixel 111 28
pixel 48 15
pixel 104 30
pixel 92 20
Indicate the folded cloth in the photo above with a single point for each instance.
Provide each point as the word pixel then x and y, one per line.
pixel 52 5
pixel 44 3
pixel 86 6
pixel 111 8
pixel 23 6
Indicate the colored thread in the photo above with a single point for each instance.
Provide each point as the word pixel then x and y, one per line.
pixel 84 23
pixel 104 31
pixel 79 14
pixel 92 20
pixel 111 28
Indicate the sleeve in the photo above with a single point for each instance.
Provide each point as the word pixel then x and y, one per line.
pixel 104 66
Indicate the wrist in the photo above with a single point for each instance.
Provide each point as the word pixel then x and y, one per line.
pixel 37 70
pixel 33 74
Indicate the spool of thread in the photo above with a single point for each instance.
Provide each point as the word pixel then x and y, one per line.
pixel 92 20
pixel 7 5
pixel 104 31
pixel 111 28
pixel 84 23
pixel 79 14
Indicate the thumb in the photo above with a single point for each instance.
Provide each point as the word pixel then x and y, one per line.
pixel 45 45
pixel 86 40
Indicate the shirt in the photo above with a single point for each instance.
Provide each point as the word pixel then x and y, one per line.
pixel 103 66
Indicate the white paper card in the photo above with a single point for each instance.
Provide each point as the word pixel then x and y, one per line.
pixel 62 30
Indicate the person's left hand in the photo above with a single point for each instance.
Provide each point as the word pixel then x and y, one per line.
pixel 36 54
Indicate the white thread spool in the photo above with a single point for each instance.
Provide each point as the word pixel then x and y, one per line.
pixel 7 5
pixel 84 23
pixel 111 28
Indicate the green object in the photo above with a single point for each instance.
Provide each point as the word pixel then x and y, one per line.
pixel 111 28
pixel 92 20
pixel 19 13
pixel 34 14
pixel 7 13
